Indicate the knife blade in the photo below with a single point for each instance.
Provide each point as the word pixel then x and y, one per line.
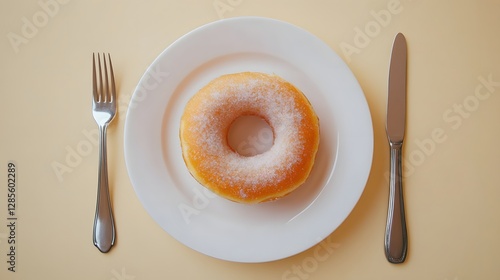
pixel 396 238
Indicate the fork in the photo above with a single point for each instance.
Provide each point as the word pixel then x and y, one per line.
pixel 103 110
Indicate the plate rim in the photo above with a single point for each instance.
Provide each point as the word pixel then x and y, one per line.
pixel 249 19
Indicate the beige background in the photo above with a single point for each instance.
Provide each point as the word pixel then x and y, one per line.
pixel 452 184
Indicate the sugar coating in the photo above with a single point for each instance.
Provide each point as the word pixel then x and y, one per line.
pixel 223 102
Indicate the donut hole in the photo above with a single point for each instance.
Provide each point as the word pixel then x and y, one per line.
pixel 250 135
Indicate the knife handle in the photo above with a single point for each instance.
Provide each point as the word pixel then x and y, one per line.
pixel 396 239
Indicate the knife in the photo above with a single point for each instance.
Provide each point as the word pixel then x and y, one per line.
pixel 396 239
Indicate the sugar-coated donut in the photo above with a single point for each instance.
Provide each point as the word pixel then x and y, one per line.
pixel 249 179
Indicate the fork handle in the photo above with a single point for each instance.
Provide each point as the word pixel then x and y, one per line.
pixel 104 226
pixel 396 239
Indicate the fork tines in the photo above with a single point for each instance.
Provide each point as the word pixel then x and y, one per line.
pixel 104 91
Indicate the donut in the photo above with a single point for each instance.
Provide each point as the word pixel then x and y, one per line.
pixel 268 176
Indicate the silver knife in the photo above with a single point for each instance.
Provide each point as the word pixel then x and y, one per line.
pixel 396 239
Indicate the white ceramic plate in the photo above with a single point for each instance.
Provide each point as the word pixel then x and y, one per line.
pixel 218 227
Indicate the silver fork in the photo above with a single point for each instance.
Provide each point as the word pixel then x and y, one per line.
pixel 103 110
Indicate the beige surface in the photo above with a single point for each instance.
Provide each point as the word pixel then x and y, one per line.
pixel 452 153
